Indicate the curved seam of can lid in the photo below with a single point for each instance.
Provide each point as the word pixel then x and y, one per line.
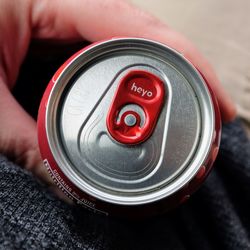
pixel 61 75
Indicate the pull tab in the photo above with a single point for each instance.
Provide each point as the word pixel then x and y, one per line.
pixel 135 107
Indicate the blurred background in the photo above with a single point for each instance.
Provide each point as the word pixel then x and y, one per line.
pixel 221 31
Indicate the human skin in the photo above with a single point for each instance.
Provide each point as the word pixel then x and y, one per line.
pixel 67 21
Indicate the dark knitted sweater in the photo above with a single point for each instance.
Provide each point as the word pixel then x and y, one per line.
pixel 216 217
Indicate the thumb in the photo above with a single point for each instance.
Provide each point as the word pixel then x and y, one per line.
pixel 18 139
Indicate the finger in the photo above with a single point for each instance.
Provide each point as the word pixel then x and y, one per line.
pixel 227 107
pixel 91 20
pixel 14 37
pixel 18 139
pixel 100 19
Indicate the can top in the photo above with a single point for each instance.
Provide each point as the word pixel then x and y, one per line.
pixel 130 121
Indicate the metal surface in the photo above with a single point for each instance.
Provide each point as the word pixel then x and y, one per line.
pixel 130 120
pixel 113 172
pixel 135 108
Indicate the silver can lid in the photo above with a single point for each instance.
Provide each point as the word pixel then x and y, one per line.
pixel 127 173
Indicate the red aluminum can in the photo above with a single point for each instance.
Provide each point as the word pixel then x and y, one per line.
pixel 128 127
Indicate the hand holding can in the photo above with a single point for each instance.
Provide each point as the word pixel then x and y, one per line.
pixel 18 140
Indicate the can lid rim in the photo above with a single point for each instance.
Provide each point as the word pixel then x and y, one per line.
pixel 135 200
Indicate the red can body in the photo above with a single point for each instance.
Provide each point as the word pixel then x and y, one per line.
pixel 100 204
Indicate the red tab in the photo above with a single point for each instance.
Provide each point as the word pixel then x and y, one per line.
pixel 139 88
